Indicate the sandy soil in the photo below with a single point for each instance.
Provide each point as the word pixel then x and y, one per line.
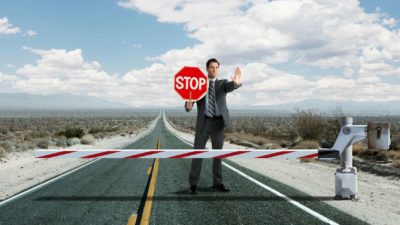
pixel 20 170
pixel 379 197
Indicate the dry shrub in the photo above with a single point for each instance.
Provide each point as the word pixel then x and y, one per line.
pixel 286 143
pixel 236 138
pixel 43 143
pixel 396 164
pixel 61 141
pixel 7 146
pixel 358 147
pixel 395 155
pixel 3 152
pixel 374 154
pixel 232 138
pixel 73 141
pixel 87 139
pixel 383 155
pixel 395 145
pixel 306 145
pixel 23 146
pixel 73 132
pixel 312 124
pixel 275 146
pixel 309 123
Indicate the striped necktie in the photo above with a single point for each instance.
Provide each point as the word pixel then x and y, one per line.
pixel 211 99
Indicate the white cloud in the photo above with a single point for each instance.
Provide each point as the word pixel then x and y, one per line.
pixel 313 33
pixel 60 70
pixel 7 28
pixel 30 33
pixel 7 77
pixel 390 22
pixel 319 33
pixel 134 45
pixel 6 82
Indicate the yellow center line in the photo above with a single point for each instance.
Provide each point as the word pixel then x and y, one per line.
pixel 150 195
pixel 132 219
pixel 149 170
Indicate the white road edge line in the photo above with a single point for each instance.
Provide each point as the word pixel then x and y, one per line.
pixel 293 202
pixel 51 180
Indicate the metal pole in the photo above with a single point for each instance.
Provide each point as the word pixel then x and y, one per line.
pixel 346 159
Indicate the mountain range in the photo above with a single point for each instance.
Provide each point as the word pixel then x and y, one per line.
pixel 56 101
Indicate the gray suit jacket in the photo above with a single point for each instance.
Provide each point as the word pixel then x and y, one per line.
pixel 222 87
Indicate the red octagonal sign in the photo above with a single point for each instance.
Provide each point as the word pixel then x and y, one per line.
pixel 191 83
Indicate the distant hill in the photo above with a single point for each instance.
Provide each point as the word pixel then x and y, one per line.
pixel 350 108
pixel 70 101
pixel 56 101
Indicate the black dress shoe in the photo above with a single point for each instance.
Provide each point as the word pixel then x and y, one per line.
pixel 193 189
pixel 221 187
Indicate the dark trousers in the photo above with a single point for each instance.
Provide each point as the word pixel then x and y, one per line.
pixel 214 128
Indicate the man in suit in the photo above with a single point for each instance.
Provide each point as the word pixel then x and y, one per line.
pixel 212 118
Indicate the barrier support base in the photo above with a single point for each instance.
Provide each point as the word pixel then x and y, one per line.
pixel 346 183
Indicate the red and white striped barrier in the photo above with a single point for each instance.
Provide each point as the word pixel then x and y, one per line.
pixel 178 153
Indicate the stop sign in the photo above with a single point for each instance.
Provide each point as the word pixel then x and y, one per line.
pixel 191 83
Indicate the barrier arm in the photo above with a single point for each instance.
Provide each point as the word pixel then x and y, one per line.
pixel 378 135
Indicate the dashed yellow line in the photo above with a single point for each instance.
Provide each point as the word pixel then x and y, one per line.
pixel 158 144
pixel 132 219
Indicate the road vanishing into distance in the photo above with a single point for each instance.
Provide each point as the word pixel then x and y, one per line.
pixel 155 191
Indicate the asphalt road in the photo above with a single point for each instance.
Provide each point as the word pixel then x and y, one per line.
pixel 110 191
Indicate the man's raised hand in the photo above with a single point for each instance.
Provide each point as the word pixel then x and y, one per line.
pixel 236 78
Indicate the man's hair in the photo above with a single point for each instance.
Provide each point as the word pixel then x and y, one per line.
pixel 211 61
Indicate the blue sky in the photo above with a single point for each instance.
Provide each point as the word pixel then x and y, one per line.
pixel 288 51
pixel 390 7
pixel 118 38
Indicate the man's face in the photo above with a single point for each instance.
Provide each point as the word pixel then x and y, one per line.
pixel 212 70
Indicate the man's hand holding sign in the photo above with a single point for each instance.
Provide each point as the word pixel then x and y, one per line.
pixel 191 84
pixel 209 93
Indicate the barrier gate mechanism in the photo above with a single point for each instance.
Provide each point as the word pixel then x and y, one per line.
pixel 345 177
pixel 378 135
